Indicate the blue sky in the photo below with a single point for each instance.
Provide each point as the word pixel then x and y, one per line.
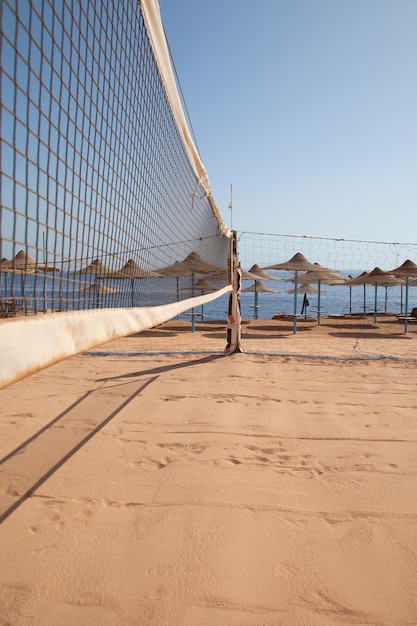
pixel 308 108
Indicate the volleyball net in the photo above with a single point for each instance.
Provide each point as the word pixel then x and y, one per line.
pixel 107 218
pixel 108 226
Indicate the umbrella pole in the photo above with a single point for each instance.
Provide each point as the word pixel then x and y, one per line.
pixel 45 302
pixel 318 303
pixel 364 299
pixel 22 289
pixel 255 310
pixel 376 302
pixel 350 299
pixel 406 306
pixel 192 310
pixel 178 292
pixel 295 303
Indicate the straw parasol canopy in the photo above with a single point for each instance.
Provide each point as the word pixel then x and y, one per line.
pixel 23 262
pixel 96 268
pixel 328 277
pixel 375 277
pixel 99 289
pixel 304 288
pixel 408 268
pixel 176 270
pixel 351 281
pixel 379 277
pixel 192 264
pixel 248 275
pixel 196 264
pixel 259 287
pixel 201 285
pixel 222 275
pixel 130 271
pixel 255 269
pixel 298 263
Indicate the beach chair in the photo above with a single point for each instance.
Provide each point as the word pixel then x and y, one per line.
pixel 411 317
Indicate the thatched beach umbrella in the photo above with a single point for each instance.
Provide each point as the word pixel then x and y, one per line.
pixel 24 264
pixel 256 288
pixel 245 275
pixel 130 271
pixel 406 271
pixel 98 289
pixel 135 272
pixel 96 268
pixel 319 277
pixel 375 277
pixel 202 285
pixel 380 278
pixel 177 270
pixel 255 269
pixel 297 264
pixel 357 280
pixel 193 265
pixel 222 275
pixel 259 287
pixel 304 288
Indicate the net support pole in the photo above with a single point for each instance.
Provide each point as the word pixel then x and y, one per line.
pixel 234 320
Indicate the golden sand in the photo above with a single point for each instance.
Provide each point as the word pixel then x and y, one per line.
pixel 203 490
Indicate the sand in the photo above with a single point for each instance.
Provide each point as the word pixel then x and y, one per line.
pixel 203 490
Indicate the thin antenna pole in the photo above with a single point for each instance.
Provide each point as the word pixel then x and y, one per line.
pixel 231 207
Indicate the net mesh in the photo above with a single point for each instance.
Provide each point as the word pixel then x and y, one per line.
pixel 98 192
pixel 339 321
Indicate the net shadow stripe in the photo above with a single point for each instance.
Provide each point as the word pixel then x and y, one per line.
pixel 74 450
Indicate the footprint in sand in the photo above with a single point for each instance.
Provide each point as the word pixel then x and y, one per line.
pixel 228 462
pixel 149 464
pixel 174 447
